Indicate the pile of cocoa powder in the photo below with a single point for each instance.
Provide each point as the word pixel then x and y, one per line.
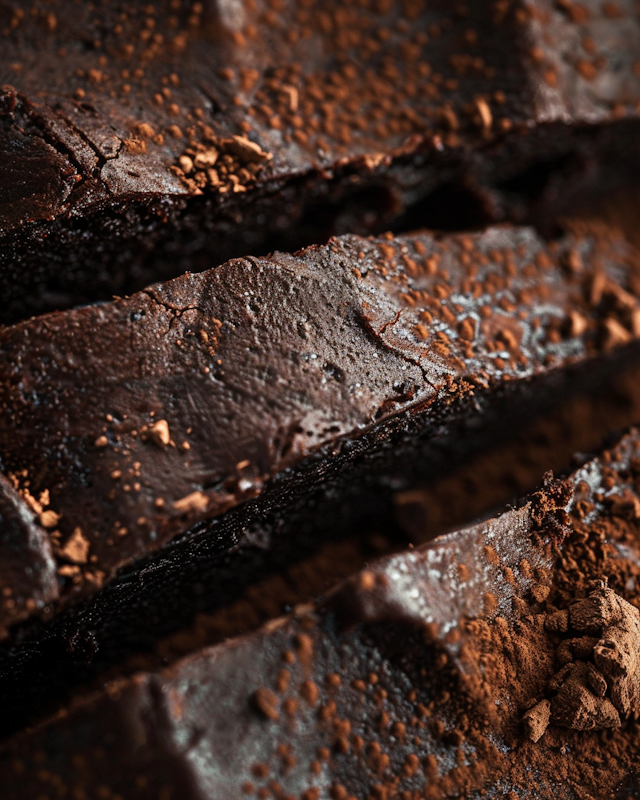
pixel 550 695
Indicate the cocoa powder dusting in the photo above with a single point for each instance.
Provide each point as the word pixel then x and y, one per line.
pixel 533 699
pixel 500 662
pixel 559 681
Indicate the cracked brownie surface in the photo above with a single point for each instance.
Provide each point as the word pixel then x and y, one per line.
pixel 141 141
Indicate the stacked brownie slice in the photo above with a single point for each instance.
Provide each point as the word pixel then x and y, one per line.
pixel 140 141
pixel 174 455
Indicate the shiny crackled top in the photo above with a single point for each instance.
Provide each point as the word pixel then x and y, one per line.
pixel 103 100
pixel 128 422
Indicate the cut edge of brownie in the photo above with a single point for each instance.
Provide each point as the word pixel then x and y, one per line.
pixel 140 419
pixel 405 301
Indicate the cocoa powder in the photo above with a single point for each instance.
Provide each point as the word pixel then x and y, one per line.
pixel 559 681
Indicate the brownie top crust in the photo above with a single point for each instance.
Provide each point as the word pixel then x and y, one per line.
pixel 138 142
pixel 125 424
pixel 106 102
pixel 505 655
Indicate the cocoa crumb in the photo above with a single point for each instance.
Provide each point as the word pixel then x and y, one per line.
pixel 614 334
pixel 485 114
pixel 367 580
pixel 309 692
pixel 76 548
pixel 626 505
pixel 267 703
pixel 237 162
pixel 600 681
pixel 135 147
pixel 536 720
pixel 159 433
pixel 196 501
pixel 49 519
pixel 540 592
pixel 577 324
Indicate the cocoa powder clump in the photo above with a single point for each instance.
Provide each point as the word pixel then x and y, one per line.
pixel 599 682
pixel 557 681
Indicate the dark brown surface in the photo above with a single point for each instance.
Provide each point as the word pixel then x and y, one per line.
pixel 442 347
pixel 347 116
pixel 135 421
pixel 483 484
pixel 415 677
pixel 28 573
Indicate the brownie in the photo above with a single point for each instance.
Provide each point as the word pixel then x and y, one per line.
pixel 139 141
pixel 500 660
pixel 266 405
pixel 127 424
pixel 28 570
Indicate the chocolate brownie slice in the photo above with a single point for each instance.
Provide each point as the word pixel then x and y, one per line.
pixel 129 423
pixel 271 403
pixel 503 658
pixel 137 142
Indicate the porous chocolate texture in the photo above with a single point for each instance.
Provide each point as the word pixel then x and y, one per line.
pixel 267 402
pixel 139 141
pixel 428 675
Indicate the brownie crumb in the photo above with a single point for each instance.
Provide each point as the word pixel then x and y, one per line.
pixel 76 548
pixel 536 720
pixel 267 703
pixel 159 433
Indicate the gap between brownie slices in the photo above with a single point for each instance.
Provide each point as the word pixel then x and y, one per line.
pixel 264 584
pixel 353 202
pixel 149 598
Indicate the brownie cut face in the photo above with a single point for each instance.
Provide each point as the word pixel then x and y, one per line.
pixel 264 403
pixel 140 141
pixel 503 655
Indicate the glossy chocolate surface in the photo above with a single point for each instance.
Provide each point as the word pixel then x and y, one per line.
pixel 128 423
pixel 139 142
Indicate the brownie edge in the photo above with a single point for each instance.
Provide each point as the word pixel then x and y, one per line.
pixel 128 424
